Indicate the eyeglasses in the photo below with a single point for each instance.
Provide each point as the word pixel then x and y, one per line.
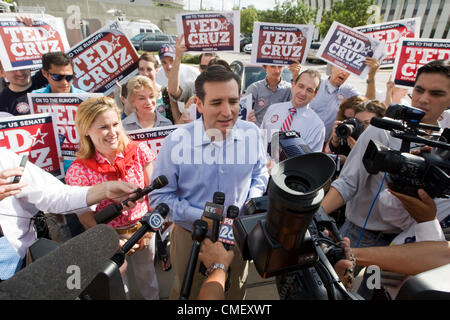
pixel 59 77
pixel 203 66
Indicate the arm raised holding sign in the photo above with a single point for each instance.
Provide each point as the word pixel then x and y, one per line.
pixel 174 75
pixel 373 64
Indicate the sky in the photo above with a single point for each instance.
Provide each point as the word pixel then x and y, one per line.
pixel 228 4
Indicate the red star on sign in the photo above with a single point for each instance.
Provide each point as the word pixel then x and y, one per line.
pixel 38 137
pixel 115 42
pixel 51 33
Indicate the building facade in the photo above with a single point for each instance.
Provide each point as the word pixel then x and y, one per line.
pixel 435 14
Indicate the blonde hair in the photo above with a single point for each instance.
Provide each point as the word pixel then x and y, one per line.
pixel 86 114
pixel 138 83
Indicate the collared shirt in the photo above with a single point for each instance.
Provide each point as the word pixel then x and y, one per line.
pixel 47 90
pixel 196 167
pixel 263 97
pixel 79 174
pixel 43 192
pixel 305 121
pixel 131 122
pixel 358 188
pixel 326 102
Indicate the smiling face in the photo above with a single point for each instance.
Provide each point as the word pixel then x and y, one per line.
pixel 104 133
pixel 431 94
pixel 304 90
pixel 338 76
pixel 220 106
pixel 19 80
pixel 144 101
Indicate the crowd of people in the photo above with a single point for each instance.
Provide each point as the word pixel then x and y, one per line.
pixel 217 151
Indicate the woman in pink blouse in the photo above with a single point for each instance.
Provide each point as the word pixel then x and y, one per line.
pixel 106 153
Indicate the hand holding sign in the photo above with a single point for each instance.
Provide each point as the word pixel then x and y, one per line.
pixel 180 47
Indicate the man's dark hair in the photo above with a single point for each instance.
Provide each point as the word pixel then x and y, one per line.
pixel 208 54
pixel 313 73
pixel 217 61
pixel 437 66
pixel 57 59
pixel 215 73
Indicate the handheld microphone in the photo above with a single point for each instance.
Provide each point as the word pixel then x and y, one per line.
pixel 226 228
pixel 151 221
pixel 65 272
pixel 198 235
pixel 114 210
pixel 214 212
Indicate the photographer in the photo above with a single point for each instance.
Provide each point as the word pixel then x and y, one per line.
pixel 356 188
pixel 340 142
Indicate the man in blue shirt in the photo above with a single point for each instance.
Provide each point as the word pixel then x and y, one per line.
pixel 57 68
pixel 216 152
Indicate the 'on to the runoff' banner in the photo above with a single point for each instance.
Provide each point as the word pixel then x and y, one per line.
pixel 102 59
pixel 279 44
pixel 210 31
pixel 347 49
pixel 154 137
pixel 414 53
pixel 64 107
pixel 36 136
pixel 390 33
pixel 22 47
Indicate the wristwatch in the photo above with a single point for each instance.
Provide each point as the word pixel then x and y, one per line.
pixel 215 266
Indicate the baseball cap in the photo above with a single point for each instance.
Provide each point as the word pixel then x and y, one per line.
pixel 166 50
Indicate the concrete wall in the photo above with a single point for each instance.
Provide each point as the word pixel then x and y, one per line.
pixel 163 17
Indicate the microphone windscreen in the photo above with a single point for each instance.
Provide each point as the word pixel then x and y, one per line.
pixel 107 214
pixel 161 181
pixel 66 271
pixel 386 124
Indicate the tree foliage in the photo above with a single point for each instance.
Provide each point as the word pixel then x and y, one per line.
pixel 248 16
pixel 290 11
pixel 352 13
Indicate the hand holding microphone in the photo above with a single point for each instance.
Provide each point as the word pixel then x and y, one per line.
pixel 114 210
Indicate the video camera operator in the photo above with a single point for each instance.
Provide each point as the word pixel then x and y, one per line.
pixel 356 188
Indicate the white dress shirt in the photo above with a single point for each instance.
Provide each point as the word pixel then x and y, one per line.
pixel 43 192
pixel 305 121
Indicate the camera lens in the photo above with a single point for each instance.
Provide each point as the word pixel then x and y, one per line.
pixel 344 130
pixel 297 183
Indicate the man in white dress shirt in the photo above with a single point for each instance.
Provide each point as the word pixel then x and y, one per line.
pixel 296 114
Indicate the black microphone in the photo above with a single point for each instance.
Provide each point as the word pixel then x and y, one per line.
pixel 214 212
pixel 151 221
pixel 226 228
pixel 114 210
pixel 387 124
pixel 65 272
pixel 215 215
pixel 198 235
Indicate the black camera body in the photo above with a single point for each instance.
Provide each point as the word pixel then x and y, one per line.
pixel 407 172
pixel 350 128
pixel 283 231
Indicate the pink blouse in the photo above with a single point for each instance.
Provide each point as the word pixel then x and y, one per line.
pixel 80 175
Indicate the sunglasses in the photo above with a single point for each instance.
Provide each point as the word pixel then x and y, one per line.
pixel 59 77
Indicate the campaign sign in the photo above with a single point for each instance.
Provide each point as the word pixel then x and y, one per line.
pixel 226 231
pixel 279 44
pixel 22 47
pixel 414 53
pixel 153 137
pixel 102 59
pixel 210 31
pixel 390 33
pixel 347 49
pixel 64 107
pixel 36 136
